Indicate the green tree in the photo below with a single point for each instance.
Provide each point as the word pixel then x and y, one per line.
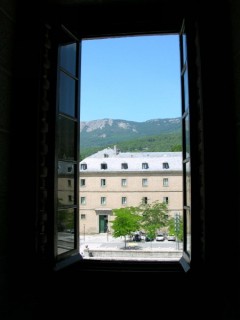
pixel 175 227
pixel 127 220
pixel 154 217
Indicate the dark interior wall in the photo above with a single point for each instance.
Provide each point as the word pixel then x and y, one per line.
pixel 235 48
pixel 25 127
pixel 7 35
pixel 221 213
pixel 210 291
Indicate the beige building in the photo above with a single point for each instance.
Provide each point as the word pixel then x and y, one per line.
pixel 110 179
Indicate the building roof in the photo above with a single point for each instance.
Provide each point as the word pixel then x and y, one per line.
pixel 113 159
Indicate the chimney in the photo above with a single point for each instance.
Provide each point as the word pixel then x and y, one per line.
pixel 116 151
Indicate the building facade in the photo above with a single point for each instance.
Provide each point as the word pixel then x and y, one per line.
pixel 110 179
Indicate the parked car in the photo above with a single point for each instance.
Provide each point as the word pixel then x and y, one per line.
pixel 137 237
pixel 171 237
pixel 149 238
pixel 160 237
pixel 143 236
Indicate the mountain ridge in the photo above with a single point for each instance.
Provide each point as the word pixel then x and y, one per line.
pixel 98 134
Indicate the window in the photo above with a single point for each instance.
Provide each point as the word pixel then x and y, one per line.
pixel 124 182
pixel 124 165
pixel 69 183
pixel 83 216
pixel 66 110
pixel 124 200
pixel 165 182
pixel 69 169
pixel 66 146
pixel 82 182
pixel 106 155
pixel 144 182
pixel 103 201
pixel 103 166
pixel 144 200
pixel 165 199
pixel 83 200
pixel 144 165
pixel 186 144
pixel 103 182
pixel 83 166
pixel 165 165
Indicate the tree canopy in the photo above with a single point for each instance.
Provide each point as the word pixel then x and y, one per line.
pixel 126 222
pixel 154 217
pixel 147 217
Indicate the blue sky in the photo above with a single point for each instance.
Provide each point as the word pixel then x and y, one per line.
pixel 130 78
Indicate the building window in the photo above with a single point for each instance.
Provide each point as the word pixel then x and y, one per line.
pixel 83 200
pixel 83 166
pixel 103 201
pixel 83 216
pixel 144 200
pixel 70 198
pixel 165 200
pixel 124 200
pixel 82 183
pixel 124 182
pixel 124 166
pixel 165 165
pixel 103 166
pixel 106 155
pixel 165 182
pixel 69 183
pixel 144 182
pixel 145 165
pixel 69 169
pixel 103 182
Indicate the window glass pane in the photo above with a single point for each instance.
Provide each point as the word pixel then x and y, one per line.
pixel 68 57
pixel 65 230
pixel 66 134
pixel 82 182
pixel 188 184
pixel 67 89
pixel 83 166
pixel 165 165
pixel 124 182
pixel 83 200
pixel 66 173
pixel 188 232
pixel 184 47
pixel 145 165
pixel 187 137
pixel 124 200
pixel 165 182
pixel 103 200
pixel 186 93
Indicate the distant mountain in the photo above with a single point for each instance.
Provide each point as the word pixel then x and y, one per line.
pixel 106 132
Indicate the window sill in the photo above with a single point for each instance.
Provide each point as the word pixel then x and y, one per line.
pixel 77 263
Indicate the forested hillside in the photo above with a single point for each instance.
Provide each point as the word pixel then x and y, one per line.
pixel 164 142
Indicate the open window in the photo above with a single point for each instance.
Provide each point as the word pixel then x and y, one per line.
pixel 67 150
pixel 67 146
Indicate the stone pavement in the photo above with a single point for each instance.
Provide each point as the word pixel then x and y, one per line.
pixel 105 245
pixel 100 240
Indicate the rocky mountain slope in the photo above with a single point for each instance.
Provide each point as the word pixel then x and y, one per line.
pixel 104 132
